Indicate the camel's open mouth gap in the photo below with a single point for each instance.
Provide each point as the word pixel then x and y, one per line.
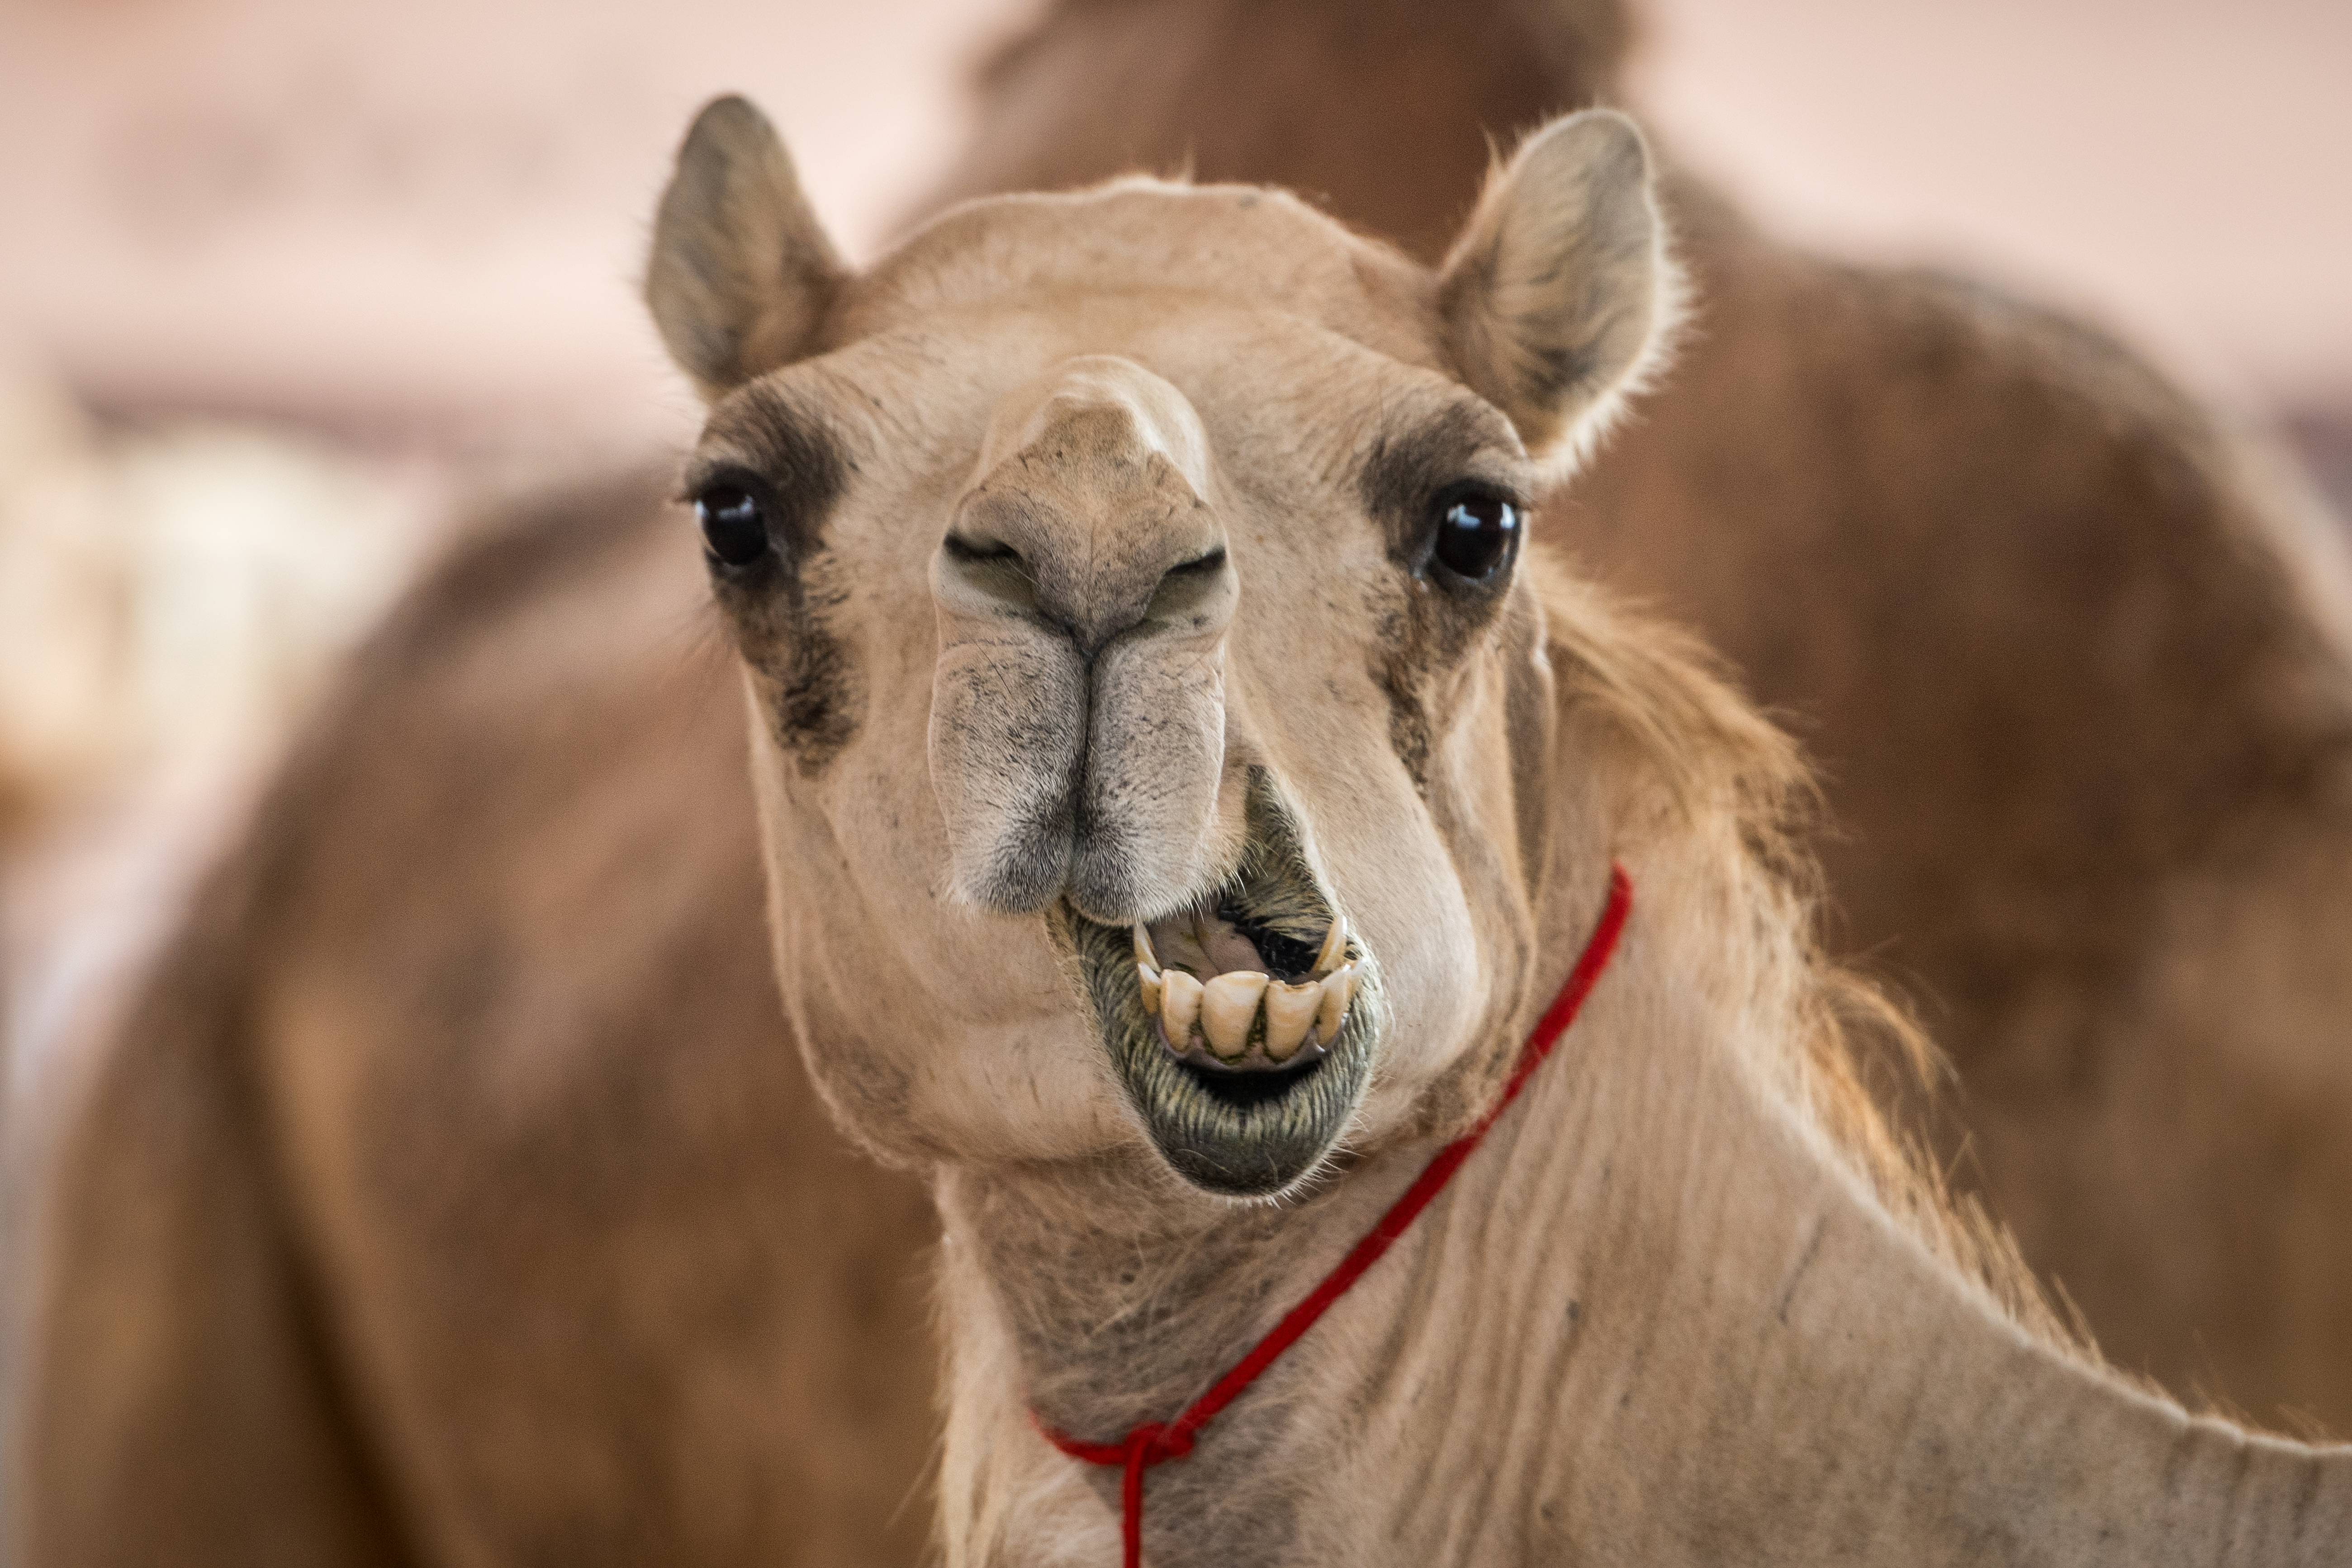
pixel 1285 956
pixel 1242 1088
pixel 1243 1029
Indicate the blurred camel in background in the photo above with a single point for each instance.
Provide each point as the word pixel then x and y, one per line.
pixel 457 1193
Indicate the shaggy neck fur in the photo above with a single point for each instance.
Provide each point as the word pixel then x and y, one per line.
pixel 1686 1305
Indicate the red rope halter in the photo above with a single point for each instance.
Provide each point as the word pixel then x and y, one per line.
pixel 1156 1442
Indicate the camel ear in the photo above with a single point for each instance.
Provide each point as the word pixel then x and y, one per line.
pixel 740 274
pixel 1560 294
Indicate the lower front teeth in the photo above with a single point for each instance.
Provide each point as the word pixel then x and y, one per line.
pixel 1227 1009
pixel 1179 1007
pixel 1337 991
pixel 1290 1012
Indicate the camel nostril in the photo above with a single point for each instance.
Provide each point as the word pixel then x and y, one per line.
pixel 1186 589
pixel 976 551
pixel 997 571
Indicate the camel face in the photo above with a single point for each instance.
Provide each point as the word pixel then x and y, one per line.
pixel 1127 585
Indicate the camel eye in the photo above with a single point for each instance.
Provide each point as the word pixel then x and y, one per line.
pixel 1476 534
pixel 734 525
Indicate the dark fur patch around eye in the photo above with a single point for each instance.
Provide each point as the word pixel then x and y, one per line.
pixel 1426 631
pixel 784 610
pixel 789 452
pixel 1406 468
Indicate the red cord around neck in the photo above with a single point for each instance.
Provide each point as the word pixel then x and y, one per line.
pixel 1156 1442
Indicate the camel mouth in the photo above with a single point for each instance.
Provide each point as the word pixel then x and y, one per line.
pixel 1233 992
pixel 1243 1029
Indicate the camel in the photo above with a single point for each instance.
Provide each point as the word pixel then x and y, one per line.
pixel 457 1192
pixel 1180 787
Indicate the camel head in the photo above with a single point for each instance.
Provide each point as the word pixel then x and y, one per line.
pixel 1150 718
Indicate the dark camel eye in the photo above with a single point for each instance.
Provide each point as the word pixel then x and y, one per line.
pixel 1475 535
pixel 734 526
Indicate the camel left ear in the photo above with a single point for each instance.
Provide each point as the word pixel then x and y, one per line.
pixel 740 273
pixel 1560 294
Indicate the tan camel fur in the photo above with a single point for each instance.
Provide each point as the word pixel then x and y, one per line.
pixel 1234 667
pixel 457 1193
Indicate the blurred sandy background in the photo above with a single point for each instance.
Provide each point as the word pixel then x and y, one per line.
pixel 283 286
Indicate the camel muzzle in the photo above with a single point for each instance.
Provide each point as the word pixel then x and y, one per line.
pixel 1083 592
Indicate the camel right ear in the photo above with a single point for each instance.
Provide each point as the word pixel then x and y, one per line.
pixel 740 274
pixel 1559 295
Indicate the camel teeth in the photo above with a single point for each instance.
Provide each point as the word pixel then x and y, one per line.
pixel 1289 1010
pixel 1179 1007
pixel 1338 990
pixel 1143 954
pixel 1335 947
pixel 1228 1008
pixel 1147 980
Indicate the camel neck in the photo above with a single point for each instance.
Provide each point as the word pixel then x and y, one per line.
pixel 1654 1311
